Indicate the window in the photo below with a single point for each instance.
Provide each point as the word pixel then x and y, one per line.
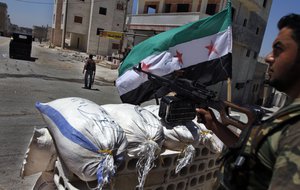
pixel 183 7
pixel 151 9
pixel 115 46
pixel 120 6
pixel 248 53
pixel 255 55
pixel 53 18
pixel 232 13
pixel 211 9
pixel 265 3
pixel 102 11
pixel 167 8
pixel 78 19
pixel 257 31
pixel 99 30
pixel 62 17
pixel 245 22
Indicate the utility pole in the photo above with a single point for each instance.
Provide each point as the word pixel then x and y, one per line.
pixel 124 24
pixel 65 26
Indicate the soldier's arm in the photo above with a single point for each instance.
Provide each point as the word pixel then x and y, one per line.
pixel 286 172
pixel 84 67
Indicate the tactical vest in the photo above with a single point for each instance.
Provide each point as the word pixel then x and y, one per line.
pixel 239 161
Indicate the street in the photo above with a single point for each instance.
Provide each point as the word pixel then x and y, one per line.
pixel 54 74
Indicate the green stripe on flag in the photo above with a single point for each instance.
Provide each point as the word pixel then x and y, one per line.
pixel 163 41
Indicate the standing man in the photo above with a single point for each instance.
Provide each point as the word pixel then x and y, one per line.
pixel 90 71
pixel 268 156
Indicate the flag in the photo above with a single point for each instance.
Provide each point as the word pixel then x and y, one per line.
pixel 201 49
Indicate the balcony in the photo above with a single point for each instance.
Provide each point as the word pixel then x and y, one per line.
pixel 163 21
pixel 252 5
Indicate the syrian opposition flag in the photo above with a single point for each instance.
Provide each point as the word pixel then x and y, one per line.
pixel 201 49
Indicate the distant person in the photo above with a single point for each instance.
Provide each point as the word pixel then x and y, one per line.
pixel 90 71
pixel 267 156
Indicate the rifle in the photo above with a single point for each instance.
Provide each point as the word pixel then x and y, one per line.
pixel 189 96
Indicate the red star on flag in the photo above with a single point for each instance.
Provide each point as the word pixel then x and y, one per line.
pixel 179 56
pixel 211 48
pixel 145 67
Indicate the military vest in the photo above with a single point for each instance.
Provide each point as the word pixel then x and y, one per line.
pixel 241 161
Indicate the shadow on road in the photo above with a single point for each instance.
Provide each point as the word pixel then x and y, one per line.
pixel 32 59
pixel 95 89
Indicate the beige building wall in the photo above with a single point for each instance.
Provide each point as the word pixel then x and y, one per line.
pixel 3 19
pixel 249 24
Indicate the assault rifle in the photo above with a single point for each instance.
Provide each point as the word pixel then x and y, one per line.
pixel 189 96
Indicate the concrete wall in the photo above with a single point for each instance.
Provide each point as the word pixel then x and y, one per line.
pixel 201 174
pixel 80 9
pixel 78 41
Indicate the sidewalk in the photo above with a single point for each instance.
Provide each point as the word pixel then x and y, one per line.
pixel 105 73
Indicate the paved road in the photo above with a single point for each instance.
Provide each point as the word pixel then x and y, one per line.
pixel 54 74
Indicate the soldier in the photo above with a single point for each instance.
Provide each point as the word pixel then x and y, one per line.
pixel 268 156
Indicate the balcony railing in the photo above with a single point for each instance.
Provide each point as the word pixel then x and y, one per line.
pixel 163 21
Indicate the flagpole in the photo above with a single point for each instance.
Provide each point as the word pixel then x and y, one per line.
pixel 228 89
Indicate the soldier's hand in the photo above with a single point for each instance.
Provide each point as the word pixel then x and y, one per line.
pixel 208 118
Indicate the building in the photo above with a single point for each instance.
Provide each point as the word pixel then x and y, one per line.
pixel 259 89
pixel 249 23
pixel 39 33
pixel 77 24
pixel 4 20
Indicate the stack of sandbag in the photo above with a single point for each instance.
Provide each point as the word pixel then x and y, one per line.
pixel 144 133
pixel 179 137
pixel 188 133
pixel 88 140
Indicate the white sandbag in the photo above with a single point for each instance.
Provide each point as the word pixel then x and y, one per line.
pixel 88 141
pixel 178 136
pixel 209 139
pixel 144 133
pixel 40 155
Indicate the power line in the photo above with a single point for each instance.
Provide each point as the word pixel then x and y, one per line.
pixel 45 3
pixel 34 2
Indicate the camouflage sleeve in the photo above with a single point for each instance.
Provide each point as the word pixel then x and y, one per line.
pixel 286 172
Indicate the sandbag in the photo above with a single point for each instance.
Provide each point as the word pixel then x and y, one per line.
pixel 40 155
pixel 177 137
pixel 144 133
pixel 88 140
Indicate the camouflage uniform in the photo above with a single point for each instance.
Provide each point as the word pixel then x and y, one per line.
pixel 270 156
